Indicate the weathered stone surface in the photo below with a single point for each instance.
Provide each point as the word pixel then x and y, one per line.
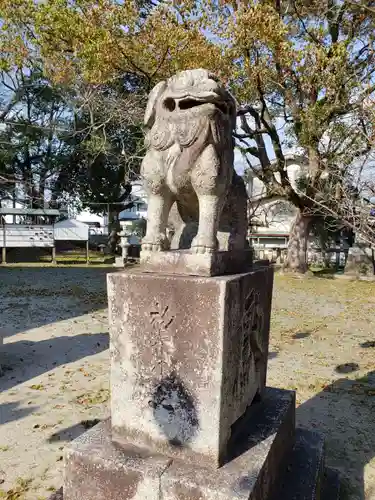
pixel 58 495
pixel 195 264
pixel 331 487
pixel 95 469
pixel 305 474
pixel 189 166
pixel 188 356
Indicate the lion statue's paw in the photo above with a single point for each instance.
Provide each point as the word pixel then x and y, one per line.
pixel 203 244
pixel 157 244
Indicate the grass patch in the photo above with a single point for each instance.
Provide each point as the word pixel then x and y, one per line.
pixel 37 387
pixel 77 257
pixel 18 492
pixel 93 398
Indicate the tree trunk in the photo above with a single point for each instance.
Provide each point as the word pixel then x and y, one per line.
pixel 296 260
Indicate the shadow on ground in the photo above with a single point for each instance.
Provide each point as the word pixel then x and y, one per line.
pixel 34 297
pixel 11 411
pixel 72 432
pixel 25 360
pixel 272 355
pixel 350 443
pixel 368 344
pixel 301 335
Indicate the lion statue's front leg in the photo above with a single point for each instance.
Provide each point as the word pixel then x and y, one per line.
pixel 209 187
pixel 159 202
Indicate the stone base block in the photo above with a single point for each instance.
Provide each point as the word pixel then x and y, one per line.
pixel 304 477
pixel 96 469
pixel 188 356
pixel 260 445
pixel 331 487
pixel 194 264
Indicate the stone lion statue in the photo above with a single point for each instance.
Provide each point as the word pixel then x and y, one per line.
pixel 188 168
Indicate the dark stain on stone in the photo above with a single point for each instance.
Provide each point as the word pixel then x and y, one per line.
pixel 174 410
pixel 245 483
pixel 347 368
pixel 58 495
pixel 184 492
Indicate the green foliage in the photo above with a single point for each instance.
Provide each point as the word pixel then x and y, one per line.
pixel 138 228
pixel 106 146
pixel 32 140
pixel 69 143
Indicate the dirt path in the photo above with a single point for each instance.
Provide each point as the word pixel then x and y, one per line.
pixel 323 346
pixel 56 381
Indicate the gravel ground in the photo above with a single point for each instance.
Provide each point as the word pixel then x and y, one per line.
pixel 56 382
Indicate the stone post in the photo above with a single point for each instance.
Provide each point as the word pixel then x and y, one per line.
pixel 360 261
pixel 178 387
pixel 124 244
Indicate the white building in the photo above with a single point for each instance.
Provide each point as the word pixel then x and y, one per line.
pixel 271 220
pixel 99 223
pixel 139 208
pixel 8 203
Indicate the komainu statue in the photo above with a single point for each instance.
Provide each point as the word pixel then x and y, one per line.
pixel 188 168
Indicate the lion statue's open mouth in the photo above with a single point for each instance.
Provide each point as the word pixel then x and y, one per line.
pixel 172 104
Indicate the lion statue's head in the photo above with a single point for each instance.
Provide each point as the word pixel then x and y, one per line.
pixel 185 104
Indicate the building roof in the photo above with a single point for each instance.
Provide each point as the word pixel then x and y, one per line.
pixel 269 234
pixel 29 211
pixel 138 199
pixel 70 223
pixel 125 215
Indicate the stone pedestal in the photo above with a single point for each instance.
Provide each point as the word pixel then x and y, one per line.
pixel 196 264
pixel 191 416
pixel 96 468
pixel 189 354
